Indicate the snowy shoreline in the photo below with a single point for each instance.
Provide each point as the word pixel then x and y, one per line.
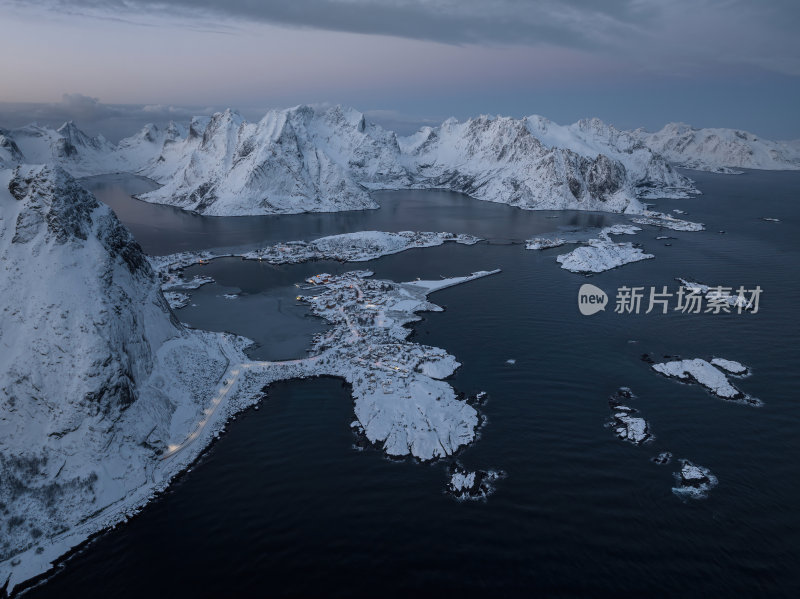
pixel 109 397
pixel 360 246
pixel 406 372
pixel 602 253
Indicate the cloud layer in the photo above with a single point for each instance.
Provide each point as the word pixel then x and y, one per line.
pixel 728 63
pixel 670 35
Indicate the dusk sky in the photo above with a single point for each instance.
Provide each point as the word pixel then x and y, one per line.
pixel 112 65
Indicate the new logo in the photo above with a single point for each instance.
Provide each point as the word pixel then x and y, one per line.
pixel 591 299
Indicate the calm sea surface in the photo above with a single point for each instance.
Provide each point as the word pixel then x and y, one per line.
pixel 284 506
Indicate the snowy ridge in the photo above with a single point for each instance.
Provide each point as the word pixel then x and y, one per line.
pixel 139 151
pixel 720 150
pixel 68 147
pixel 500 160
pixel 10 154
pixel 294 160
pixel 307 159
pixel 649 172
pixel 97 376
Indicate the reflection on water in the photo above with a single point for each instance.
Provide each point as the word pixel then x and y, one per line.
pixel 165 229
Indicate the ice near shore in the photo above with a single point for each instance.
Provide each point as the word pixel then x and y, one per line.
pixel 602 253
pixel 109 396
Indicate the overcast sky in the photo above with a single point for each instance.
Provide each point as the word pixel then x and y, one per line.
pixel 112 65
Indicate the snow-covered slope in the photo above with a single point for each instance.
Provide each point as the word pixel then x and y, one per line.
pixel 307 159
pixel 142 150
pixel 97 377
pixel 68 147
pixel 649 172
pixel 720 150
pixel 498 159
pixel 10 153
pixel 82 155
pixel 105 397
pixel 295 160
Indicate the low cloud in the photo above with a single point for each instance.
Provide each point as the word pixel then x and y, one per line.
pixel 114 121
pixel 400 123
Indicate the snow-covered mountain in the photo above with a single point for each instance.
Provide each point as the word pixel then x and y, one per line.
pixel 68 147
pixel 10 153
pixel 295 160
pixel 720 150
pixel 498 159
pixel 649 172
pixel 307 159
pixel 96 374
pixel 141 149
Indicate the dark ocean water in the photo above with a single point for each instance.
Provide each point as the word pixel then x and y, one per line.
pixel 284 506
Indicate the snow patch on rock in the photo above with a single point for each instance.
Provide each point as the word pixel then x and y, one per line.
pixel 704 373
pixel 543 243
pixel 731 366
pixel 628 427
pixel 720 294
pixel 603 254
pixel 693 481
pixel 666 221
pixel 472 485
pixel 359 246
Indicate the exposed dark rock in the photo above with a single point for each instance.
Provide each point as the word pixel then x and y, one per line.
pixel 463 484
pixel 605 177
pixel 662 458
